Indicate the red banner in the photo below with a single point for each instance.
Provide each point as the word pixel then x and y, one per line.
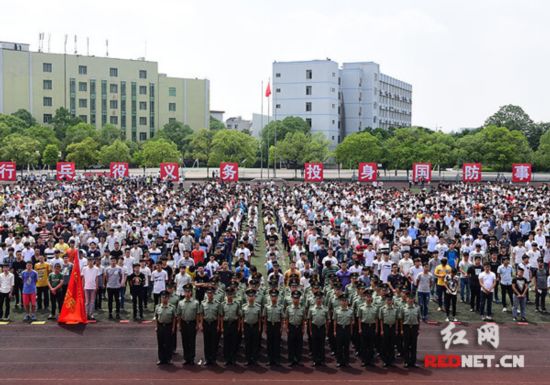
pixel 119 170
pixel 521 172
pixel 422 172
pixel 229 172
pixel 65 171
pixel 7 171
pixel 313 172
pixel 74 309
pixel 471 172
pixel 368 172
pixel 170 171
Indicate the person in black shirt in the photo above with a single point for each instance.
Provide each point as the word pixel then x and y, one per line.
pixel 395 279
pixel 18 267
pixel 475 288
pixel 201 283
pixel 494 263
pixel 136 280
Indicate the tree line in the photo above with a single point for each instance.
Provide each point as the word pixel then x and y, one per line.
pixel 508 136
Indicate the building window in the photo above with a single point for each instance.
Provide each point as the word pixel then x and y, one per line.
pixel 309 74
pixel 82 70
pixel 277 75
pixel 333 105
pixel 113 120
pixel 82 103
pixel 47 101
pixel 171 120
pixel 142 74
pixel 142 121
pixel 47 118
pixel 82 86
pixel 308 106
pixel 171 106
pixel 142 135
pixel 84 118
pixel 278 90
pixel 333 89
pixel 46 67
pixel 113 104
pixel 142 105
pixel 113 72
pixel 308 90
pixel 333 121
pixel 47 84
pixel 277 106
pixel 334 74
pixel 143 90
pixel 308 121
pixel 172 91
pixel 113 88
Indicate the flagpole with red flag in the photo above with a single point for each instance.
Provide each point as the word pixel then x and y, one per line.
pixel 267 95
pixel 73 310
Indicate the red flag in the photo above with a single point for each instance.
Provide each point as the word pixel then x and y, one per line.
pixel 268 91
pixel 74 310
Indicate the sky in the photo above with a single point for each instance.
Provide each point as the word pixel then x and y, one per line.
pixel 464 58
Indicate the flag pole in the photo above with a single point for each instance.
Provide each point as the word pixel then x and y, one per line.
pixel 275 140
pixel 262 126
pixel 268 120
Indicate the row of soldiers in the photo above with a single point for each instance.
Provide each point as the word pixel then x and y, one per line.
pixel 372 319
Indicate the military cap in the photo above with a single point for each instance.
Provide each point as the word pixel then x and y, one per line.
pixel 274 293
pixel 164 293
pixel 188 287
pixel 318 295
pixel 296 294
pixel 250 292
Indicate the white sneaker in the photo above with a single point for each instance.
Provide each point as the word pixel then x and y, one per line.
pixel 483 318
pixel 447 319
pixel 438 309
pixel 455 320
pixel 504 310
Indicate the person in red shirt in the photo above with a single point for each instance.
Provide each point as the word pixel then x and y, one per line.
pixel 198 254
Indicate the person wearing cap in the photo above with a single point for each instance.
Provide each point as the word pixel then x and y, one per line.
pixel 165 317
pixel 410 321
pixel 272 318
pixel 294 321
pixel 367 320
pixel 541 286
pixel 333 303
pixel 136 281
pixel 343 321
pixel 318 324
pixel 211 321
pixel 389 321
pixel 230 314
pixel 189 320
pixel 55 284
pixel 250 323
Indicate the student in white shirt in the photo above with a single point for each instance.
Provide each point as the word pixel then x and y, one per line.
pixel 90 274
pixel 487 282
pixel 159 278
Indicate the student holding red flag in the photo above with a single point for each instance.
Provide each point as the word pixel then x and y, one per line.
pixel 73 310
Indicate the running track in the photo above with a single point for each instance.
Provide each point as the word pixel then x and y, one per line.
pixel 126 354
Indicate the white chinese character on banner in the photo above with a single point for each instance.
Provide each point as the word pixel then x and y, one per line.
pixel 422 171
pixel 228 172
pixel 6 171
pixel 521 172
pixel 472 172
pixel 119 170
pixel 367 172
pixel 488 333
pixel 66 171
pixel 313 172
pixel 456 338
pixel 169 170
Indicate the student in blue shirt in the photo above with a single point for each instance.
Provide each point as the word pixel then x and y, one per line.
pixel 29 277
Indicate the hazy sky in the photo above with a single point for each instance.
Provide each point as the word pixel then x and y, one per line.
pixel 464 58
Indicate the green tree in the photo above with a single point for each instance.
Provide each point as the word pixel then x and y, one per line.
pixel 534 133
pixel 84 154
pixel 440 149
pixel 407 146
pixel 45 135
pixel 359 147
pixel 118 151
pixel 25 116
pixel 468 149
pixel 20 149
pixel 62 120
pixel 178 133
pixel 156 151
pixel 542 156
pixel 14 124
pixel 501 147
pixel 201 145
pixel 510 116
pixel 233 146
pixel 280 128
pixel 79 132
pixel 50 156
pixel 108 134
pixel 216 124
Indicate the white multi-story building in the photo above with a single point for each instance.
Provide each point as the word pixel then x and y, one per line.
pixel 340 101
